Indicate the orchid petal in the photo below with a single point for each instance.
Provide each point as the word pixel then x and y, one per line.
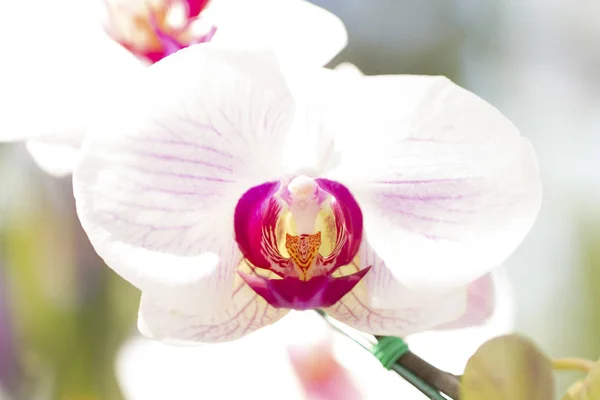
pixel 402 320
pixel 385 291
pixel 297 30
pixel 56 81
pixel 348 69
pixel 157 188
pixel 308 136
pixel 483 297
pixel 457 345
pixel 55 154
pixel 243 314
pixel 383 305
pixel 447 186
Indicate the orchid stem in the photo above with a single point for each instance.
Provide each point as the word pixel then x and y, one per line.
pixel 414 380
pixel 428 379
pixel 570 364
pixel 435 378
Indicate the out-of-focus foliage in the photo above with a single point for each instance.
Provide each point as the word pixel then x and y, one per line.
pixel 69 314
pixel 588 388
pixel 508 367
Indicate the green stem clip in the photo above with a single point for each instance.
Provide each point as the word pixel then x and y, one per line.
pixel 389 349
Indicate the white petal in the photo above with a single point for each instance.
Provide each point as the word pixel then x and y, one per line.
pixel 298 31
pixel 55 154
pixel 62 68
pixel 447 186
pixel 308 143
pixel 245 313
pixel 486 297
pixel 420 313
pixel 385 291
pixel 450 350
pixel 348 69
pixel 157 188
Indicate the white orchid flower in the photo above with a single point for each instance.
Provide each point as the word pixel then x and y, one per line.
pixel 68 58
pixel 230 194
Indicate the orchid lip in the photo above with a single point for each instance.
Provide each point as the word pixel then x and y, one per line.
pixel 305 276
pixel 319 292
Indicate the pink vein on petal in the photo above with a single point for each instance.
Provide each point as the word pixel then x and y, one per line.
pixel 165 157
pixel 189 144
pixel 421 181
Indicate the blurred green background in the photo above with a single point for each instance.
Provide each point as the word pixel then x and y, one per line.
pixel 63 315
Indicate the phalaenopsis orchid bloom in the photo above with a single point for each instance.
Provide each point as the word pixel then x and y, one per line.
pixel 230 190
pixel 75 56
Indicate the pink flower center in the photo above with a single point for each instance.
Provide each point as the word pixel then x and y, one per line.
pixel 154 29
pixel 296 237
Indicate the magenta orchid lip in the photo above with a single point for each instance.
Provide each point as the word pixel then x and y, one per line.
pixel 305 277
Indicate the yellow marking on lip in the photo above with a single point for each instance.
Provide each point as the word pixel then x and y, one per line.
pixel 303 250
